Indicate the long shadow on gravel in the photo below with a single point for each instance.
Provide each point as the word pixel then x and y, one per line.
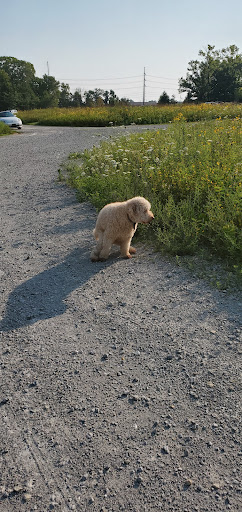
pixel 43 295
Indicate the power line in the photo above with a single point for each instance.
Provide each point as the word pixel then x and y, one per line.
pixel 116 78
pixel 98 79
pixel 146 81
pixel 161 83
pixel 169 88
pixel 163 77
pixel 117 85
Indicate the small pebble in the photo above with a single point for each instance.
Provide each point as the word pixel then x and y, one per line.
pixel 165 449
pixel 17 488
pixel 210 384
pixel 216 485
pixel 188 482
pixel 27 496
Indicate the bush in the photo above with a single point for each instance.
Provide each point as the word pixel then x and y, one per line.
pixel 5 129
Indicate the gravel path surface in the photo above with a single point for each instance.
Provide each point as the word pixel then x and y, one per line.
pixel 119 380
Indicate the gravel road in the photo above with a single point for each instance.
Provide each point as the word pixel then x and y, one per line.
pixel 119 380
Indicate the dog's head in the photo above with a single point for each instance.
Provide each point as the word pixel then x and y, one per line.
pixel 139 210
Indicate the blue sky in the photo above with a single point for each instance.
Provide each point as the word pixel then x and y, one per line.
pixel 108 43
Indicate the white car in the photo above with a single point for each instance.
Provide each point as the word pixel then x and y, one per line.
pixel 9 118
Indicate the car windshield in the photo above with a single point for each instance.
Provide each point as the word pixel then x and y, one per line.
pixel 6 114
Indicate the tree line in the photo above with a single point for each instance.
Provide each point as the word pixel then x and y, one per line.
pixel 21 89
pixel 215 76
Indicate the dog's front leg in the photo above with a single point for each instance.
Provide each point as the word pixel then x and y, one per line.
pixel 125 248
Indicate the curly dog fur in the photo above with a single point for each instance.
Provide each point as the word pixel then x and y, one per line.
pixel 117 223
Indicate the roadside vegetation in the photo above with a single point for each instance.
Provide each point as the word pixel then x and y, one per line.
pixel 126 115
pixel 192 175
pixel 4 129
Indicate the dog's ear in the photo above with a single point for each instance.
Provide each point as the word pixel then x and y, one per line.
pixel 134 208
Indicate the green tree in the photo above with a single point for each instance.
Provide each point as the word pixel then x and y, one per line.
pixel 216 77
pixel 19 71
pixel 47 90
pixel 77 98
pixel 65 98
pixel 173 100
pixel 7 94
pixel 98 97
pixel 21 75
pixel 94 98
pixel 164 99
pixel 124 101
pixel 113 98
pixel 110 98
pixel 89 98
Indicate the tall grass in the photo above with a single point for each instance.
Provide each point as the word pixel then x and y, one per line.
pixel 108 116
pixel 5 129
pixel 191 173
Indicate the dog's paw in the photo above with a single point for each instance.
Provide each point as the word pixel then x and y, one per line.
pixel 94 257
pixel 132 250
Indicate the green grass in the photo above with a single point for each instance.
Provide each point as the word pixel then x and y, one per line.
pixel 192 175
pixel 108 116
pixel 4 129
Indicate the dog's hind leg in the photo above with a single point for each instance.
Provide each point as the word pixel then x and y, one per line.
pixel 106 248
pixel 96 251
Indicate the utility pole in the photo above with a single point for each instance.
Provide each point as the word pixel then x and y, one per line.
pixel 48 69
pixel 144 89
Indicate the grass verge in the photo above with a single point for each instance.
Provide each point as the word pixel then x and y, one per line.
pixel 192 175
pixel 4 129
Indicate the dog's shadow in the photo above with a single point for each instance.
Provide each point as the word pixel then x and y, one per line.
pixel 43 295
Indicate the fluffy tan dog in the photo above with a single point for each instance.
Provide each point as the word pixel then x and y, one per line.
pixel 117 223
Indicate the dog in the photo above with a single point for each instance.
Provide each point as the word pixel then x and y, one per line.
pixel 117 223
